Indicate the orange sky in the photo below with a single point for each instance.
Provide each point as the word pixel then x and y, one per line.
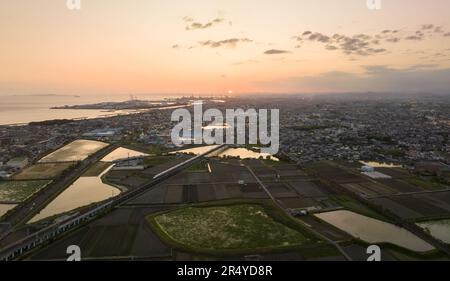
pixel 212 46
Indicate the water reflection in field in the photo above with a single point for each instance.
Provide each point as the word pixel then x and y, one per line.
pixel 121 153
pixel 75 151
pixel 242 153
pixel 439 229
pixel 374 231
pixel 84 191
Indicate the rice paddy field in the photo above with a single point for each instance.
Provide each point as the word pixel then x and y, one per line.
pixel 4 208
pixel 43 171
pixel 439 229
pixel 75 151
pixel 232 227
pixel 18 191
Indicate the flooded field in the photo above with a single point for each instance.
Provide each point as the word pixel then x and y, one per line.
pixel 120 153
pixel 75 151
pixel 84 191
pixel 374 231
pixel 439 229
pixel 242 153
pixel 5 208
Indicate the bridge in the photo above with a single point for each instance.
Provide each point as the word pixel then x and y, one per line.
pixel 56 230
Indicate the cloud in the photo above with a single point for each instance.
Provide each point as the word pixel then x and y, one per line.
pixel 423 66
pixel 359 44
pixel 192 25
pixel 438 29
pixel 427 26
pixel 275 52
pixel 246 62
pixel 229 43
pixel 179 47
pixel 393 40
pixel 319 38
pixel 331 47
pixel 414 37
pixel 368 44
pixel 378 78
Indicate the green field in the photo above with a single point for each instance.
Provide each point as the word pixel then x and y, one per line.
pixel 18 191
pixel 236 227
pixel 96 169
pixel 152 161
pixel 43 171
pixel 199 167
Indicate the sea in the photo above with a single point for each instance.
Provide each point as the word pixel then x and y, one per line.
pixel 23 109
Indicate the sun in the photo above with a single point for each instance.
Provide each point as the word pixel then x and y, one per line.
pixel 230 92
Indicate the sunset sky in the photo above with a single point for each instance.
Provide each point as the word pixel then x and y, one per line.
pixel 213 46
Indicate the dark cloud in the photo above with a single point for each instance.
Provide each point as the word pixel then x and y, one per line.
pixel 382 78
pixel 368 44
pixel 192 25
pixel 319 38
pixel 423 66
pixel 178 47
pixel 359 44
pixel 229 43
pixel 393 40
pixel 275 52
pixel 331 47
pixel 414 37
pixel 427 26
pixel 438 29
